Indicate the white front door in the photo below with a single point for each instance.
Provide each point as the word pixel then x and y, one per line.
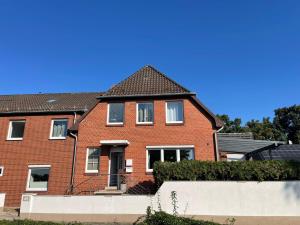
pixel 116 164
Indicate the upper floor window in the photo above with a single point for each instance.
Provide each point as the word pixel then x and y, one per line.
pixel 59 129
pixel 92 160
pixel 174 112
pixel 38 176
pixel 145 113
pixel 16 130
pixel 115 113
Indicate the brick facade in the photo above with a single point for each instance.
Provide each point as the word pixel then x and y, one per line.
pixel 196 130
pixel 35 149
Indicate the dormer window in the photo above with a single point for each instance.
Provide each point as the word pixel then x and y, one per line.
pixel 144 113
pixel 115 113
pixel 174 112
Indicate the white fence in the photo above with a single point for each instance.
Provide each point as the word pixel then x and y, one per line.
pixel 2 199
pixel 193 198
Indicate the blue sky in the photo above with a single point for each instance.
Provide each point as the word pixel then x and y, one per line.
pixel 241 57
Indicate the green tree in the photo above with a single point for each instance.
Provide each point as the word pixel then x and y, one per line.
pixel 287 121
pixel 263 130
pixel 231 126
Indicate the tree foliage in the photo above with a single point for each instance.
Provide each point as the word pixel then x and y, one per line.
pixel 285 125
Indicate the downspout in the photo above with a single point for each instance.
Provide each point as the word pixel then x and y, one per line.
pixel 74 157
pixel 217 146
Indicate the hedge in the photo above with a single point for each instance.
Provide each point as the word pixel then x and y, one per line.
pixel 162 218
pixel 272 170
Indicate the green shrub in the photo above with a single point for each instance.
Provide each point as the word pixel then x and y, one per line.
pixel 272 170
pixel 162 218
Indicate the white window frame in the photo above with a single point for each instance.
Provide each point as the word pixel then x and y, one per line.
pixel 9 133
pixel 137 112
pixel 86 161
pixel 166 147
pixel 166 108
pixel 108 110
pixel 29 175
pixel 51 129
pixel 2 171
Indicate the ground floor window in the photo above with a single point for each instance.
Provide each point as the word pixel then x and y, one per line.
pixel 92 160
pixel 38 176
pixel 168 154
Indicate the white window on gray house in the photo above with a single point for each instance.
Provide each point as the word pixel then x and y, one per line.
pixel 174 112
pixel 16 130
pixel 115 113
pixel 1 171
pixel 92 160
pixel 145 113
pixel 59 128
pixel 38 176
pixel 168 154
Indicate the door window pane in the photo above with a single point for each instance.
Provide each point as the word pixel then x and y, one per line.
pixel 39 178
pixel 170 155
pixel 174 112
pixel 153 156
pixel 17 129
pixel 145 112
pixel 59 129
pixel 116 113
pixel 186 154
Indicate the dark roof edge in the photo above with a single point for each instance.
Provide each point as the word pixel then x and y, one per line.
pixel 218 122
pixel 41 112
pixel 146 95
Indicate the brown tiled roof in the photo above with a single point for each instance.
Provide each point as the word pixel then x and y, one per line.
pixel 39 103
pixel 147 81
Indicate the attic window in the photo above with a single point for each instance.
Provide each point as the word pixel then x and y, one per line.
pixel 51 100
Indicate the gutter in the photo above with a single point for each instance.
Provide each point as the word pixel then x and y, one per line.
pixel 74 135
pixel 216 141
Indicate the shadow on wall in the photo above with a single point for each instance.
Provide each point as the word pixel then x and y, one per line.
pixel 292 189
pixel 145 187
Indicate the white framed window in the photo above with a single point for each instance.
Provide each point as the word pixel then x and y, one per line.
pixel 92 163
pixel 167 154
pixel 59 128
pixel 16 130
pixel 1 171
pixel 144 113
pixel 115 113
pixel 174 112
pixel 38 176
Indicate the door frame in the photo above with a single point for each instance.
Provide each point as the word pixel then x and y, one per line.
pixel 113 150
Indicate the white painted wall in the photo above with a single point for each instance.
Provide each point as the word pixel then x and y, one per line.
pixel 194 198
pixel 2 199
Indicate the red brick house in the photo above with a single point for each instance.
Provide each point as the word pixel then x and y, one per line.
pixel 146 118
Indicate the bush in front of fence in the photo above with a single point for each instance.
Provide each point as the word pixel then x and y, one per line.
pixel 272 170
pixel 162 218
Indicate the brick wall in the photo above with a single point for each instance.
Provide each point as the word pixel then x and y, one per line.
pixel 197 130
pixel 35 148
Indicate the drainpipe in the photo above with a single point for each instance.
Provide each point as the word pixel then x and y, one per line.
pixel 74 156
pixel 217 146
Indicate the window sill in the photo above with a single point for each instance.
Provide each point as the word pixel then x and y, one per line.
pixel 91 172
pixel 144 124
pixel 14 139
pixel 115 125
pixel 36 189
pixel 175 124
pixel 57 138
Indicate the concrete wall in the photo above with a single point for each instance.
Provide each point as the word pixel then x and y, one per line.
pixel 229 199
pixel 2 200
